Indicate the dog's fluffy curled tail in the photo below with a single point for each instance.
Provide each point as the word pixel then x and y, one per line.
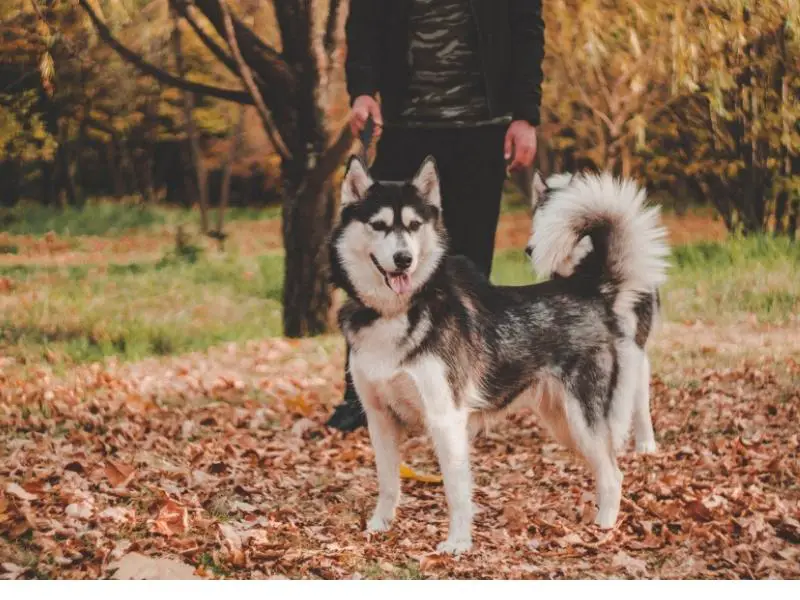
pixel 628 237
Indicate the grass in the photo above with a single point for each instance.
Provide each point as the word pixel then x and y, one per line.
pixel 86 313
pixel 191 301
pixel 716 282
pixel 100 217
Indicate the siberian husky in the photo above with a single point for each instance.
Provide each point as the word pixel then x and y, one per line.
pixel 433 344
pixel 647 308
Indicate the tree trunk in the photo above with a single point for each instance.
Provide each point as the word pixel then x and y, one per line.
pixel 66 172
pixel 191 130
pixel 114 161
pixel 306 292
pixel 225 186
pixel 48 183
pixel 782 85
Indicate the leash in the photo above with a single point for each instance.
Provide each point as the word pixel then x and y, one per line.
pixel 365 137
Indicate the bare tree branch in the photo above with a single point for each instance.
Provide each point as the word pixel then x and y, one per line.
pixel 332 158
pixel 262 58
pixel 247 78
pixel 192 134
pixel 150 69
pixel 213 47
pixel 331 27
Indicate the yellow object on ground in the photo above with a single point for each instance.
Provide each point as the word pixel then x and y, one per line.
pixel 407 472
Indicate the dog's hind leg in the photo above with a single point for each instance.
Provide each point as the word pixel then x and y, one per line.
pixel 595 442
pixel 385 436
pixel 642 421
pixel 609 482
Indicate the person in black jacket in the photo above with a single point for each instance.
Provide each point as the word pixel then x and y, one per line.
pixel 459 80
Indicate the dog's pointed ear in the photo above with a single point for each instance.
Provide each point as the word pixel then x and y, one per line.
pixel 538 189
pixel 426 181
pixel 356 182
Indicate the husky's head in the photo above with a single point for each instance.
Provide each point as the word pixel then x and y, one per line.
pixel 390 237
pixel 541 193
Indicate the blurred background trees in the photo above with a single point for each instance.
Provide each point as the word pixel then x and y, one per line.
pixel 211 103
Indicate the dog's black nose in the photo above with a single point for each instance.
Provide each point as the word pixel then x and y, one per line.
pixel 402 259
pixel 529 250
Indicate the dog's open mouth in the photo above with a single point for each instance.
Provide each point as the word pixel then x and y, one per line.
pixel 398 281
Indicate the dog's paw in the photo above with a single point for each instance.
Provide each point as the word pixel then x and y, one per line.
pixel 378 524
pixel 606 517
pixel 646 447
pixel 454 546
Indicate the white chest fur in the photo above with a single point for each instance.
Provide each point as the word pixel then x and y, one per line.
pixel 380 372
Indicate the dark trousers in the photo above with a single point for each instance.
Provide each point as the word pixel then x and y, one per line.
pixel 472 172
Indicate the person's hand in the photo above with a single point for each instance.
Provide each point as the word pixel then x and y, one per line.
pixel 363 108
pixel 521 144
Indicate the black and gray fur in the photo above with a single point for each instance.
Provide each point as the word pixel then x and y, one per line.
pixel 456 349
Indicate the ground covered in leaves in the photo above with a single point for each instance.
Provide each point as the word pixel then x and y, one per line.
pixel 217 464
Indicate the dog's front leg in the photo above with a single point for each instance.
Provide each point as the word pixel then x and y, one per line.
pixel 451 441
pixel 448 425
pixel 385 437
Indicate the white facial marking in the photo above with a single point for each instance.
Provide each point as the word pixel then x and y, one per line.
pixel 384 218
pixel 410 216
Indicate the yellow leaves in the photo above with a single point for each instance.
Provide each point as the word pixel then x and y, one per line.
pixel 407 472
pixel 298 404
pixel 47 71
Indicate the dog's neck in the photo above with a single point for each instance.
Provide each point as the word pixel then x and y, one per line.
pixel 377 304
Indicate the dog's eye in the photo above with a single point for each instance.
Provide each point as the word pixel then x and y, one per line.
pixel 379 226
pixel 414 226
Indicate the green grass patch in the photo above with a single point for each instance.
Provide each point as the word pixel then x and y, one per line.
pixel 716 282
pixel 191 301
pixel 131 311
pixel 108 217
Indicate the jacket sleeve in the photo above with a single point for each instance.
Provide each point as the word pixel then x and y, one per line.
pixel 361 32
pixel 527 40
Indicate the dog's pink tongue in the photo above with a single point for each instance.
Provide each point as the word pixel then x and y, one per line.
pixel 401 284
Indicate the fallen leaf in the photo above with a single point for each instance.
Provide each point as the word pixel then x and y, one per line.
pixel 635 567
pixel 80 510
pixel 231 536
pixel 117 514
pixel 172 519
pixel 137 566
pixel 119 474
pixel 407 472
pixel 18 491
pixel 302 426
pixel 699 511
pixel 515 517
pixel 12 571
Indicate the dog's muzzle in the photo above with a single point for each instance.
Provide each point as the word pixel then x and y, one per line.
pixel 398 282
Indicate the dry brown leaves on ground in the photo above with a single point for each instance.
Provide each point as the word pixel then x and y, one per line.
pixel 218 465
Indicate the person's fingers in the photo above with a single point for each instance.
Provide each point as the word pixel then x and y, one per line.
pixel 523 156
pixel 508 145
pixel 534 149
pixel 357 120
pixel 375 112
pixel 377 119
